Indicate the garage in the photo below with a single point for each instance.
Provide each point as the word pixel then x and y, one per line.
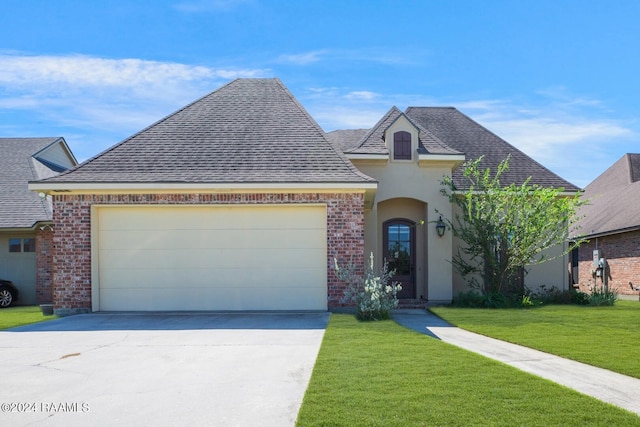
pixel 204 257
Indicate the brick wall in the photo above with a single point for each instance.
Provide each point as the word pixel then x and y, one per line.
pixel 72 238
pixel 622 252
pixel 44 265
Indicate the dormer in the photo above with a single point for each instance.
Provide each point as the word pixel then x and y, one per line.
pixel 401 139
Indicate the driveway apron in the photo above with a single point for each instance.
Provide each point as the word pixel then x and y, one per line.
pixel 230 369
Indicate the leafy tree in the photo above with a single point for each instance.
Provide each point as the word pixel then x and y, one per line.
pixel 506 227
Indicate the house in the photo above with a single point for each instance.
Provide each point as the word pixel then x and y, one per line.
pixel 610 221
pixel 26 218
pixel 240 201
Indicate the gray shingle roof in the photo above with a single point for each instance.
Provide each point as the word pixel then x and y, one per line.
pixel 465 135
pixel 20 207
pixel 614 199
pixel 248 131
pixel 373 141
pixel 346 139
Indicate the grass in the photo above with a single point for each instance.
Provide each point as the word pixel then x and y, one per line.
pixel 606 337
pixel 381 374
pixel 21 315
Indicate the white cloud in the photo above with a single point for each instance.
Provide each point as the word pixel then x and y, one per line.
pixel 63 93
pixel 302 58
pixel 85 71
pixel 364 95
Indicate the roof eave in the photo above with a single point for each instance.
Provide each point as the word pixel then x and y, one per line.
pixel 454 160
pixel 367 156
pixel 594 235
pixel 178 187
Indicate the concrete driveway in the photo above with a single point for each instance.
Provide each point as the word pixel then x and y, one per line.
pixel 159 369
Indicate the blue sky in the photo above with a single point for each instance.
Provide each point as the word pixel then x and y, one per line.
pixel 559 79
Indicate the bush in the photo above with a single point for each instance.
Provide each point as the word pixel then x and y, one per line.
pixel 472 299
pixel 601 297
pixel 469 299
pixel 373 295
pixel 580 298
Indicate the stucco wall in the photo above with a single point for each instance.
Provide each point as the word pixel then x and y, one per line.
pixel 72 238
pixel 398 182
pixel 622 252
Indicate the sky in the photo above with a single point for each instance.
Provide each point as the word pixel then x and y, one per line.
pixel 558 79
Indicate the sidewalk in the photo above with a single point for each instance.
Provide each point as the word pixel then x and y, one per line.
pixel 610 387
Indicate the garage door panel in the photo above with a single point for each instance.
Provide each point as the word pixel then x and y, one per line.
pixel 200 217
pixel 203 239
pixel 155 260
pixel 221 278
pixel 212 299
pixel 212 258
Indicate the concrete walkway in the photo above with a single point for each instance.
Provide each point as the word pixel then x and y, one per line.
pixel 610 387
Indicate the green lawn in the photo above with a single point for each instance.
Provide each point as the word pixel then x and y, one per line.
pixel 381 374
pixel 607 337
pixel 21 315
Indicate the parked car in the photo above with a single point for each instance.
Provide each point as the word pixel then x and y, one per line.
pixel 8 293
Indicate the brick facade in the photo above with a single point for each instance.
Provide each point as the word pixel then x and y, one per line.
pixel 622 252
pixel 44 265
pixel 72 238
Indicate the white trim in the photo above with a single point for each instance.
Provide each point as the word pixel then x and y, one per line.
pixel 442 157
pixel 356 156
pixel 163 187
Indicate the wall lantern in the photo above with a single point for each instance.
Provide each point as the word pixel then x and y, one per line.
pixel 440 227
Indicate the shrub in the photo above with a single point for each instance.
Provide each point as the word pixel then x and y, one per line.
pixel 600 297
pixel 373 295
pixel 470 299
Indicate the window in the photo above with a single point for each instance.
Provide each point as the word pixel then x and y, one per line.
pixel 402 145
pixel 29 245
pixel 22 245
pixel 15 245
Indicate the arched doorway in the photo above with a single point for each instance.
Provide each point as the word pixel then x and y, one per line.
pixel 399 240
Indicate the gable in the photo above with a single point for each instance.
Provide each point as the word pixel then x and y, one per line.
pixel 19 207
pixel 614 200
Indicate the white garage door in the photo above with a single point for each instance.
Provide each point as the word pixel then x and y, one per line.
pixel 210 258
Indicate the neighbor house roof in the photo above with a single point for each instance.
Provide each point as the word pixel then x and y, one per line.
pixel 613 200
pixel 248 131
pixel 461 133
pixel 23 160
pixel 373 141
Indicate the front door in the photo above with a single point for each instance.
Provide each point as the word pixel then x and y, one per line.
pixel 400 253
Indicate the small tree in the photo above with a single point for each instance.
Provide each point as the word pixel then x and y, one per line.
pixel 506 228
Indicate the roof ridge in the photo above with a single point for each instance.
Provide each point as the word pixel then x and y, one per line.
pixel 118 144
pixel 633 160
pixel 373 129
pixel 322 133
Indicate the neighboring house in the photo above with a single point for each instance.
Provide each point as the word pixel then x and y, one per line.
pixel 611 223
pixel 25 217
pixel 240 201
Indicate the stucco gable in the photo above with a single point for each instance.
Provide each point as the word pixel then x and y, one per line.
pixel 374 141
